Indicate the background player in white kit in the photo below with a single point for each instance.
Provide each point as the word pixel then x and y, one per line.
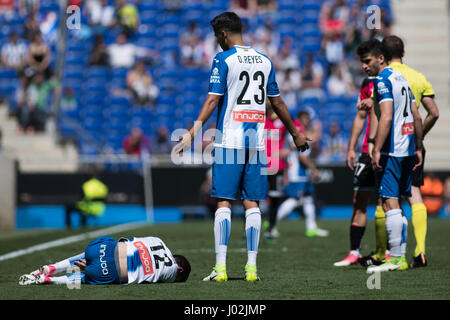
pixel 299 189
pixel 107 261
pixel 241 79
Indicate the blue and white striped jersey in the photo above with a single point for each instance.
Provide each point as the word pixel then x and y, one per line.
pixel 390 85
pixel 244 78
pixel 149 260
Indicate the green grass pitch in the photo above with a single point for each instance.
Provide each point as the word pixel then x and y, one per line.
pixel 293 268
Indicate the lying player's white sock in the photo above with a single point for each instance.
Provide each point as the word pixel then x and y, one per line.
pixel 73 278
pixel 396 228
pixel 310 213
pixel 252 230
pixel 64 265
pixel 222 231
pixel 286 207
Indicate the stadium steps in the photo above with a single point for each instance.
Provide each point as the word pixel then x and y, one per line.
pixel 424 27
pixel 38 152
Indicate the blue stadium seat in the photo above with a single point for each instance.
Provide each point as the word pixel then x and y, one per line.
pixel 120 100
pixel 97 72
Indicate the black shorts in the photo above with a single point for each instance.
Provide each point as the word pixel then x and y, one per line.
pixel 364 177
pixel 417 175
pixel 276 184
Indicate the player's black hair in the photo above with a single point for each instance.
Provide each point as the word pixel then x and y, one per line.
pixel 394 47
pixel 372 46
pixel 229 21
pixel 183 263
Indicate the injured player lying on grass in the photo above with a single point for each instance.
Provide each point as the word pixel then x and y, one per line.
pixel 107 261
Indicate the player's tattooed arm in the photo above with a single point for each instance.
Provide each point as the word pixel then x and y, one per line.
pixel 278 105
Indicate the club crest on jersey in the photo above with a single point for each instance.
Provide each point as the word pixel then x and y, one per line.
pixel 249 116
pixel 145 257
pixel 215 78
pixel 382 89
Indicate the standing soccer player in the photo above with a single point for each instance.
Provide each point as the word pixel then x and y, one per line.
pixel 241 79
pixel 424 94
pixel 363 183
pixel 398 141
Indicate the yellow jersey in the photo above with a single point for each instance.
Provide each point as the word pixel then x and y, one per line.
pixel 419 84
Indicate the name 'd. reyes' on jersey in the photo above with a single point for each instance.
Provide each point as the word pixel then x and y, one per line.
pixel 250 59
pixel 215 78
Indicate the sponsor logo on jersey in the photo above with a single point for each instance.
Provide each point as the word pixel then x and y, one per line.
pixel 145 257
pixel 103 263
pixel 407 129
pixel 249 116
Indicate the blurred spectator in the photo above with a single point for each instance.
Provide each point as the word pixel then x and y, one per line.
pixel 38 94
pixel 432 193
pixel 266 6
pixel 340 82
pixel 122 54
pixel 31 27
pixel 289 83
pixel 136 143
pixel 334 145
pixel 162 143
pixel 68 100
pixel 173 6
pixel 38 58
pixel 192 31
pixel 287 59
pixel 99 54
pixel 140 83
pixel 23 113
pixel 100 15
pixel 192 53
pixel 28 6
pixel 333 46
pixel 243 8
pixel 13 54
pixel 312 78
pixel 333 17
pixel 127 17
pixel 265 42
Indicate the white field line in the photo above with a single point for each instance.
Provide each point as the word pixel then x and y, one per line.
pixel 72 239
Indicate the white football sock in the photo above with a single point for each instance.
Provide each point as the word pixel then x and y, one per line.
pixel 286 207
pixel 309 210
pixel 252 231
pixel 74 278
pixel 64 265
pixel 394 228
pixel 222 231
